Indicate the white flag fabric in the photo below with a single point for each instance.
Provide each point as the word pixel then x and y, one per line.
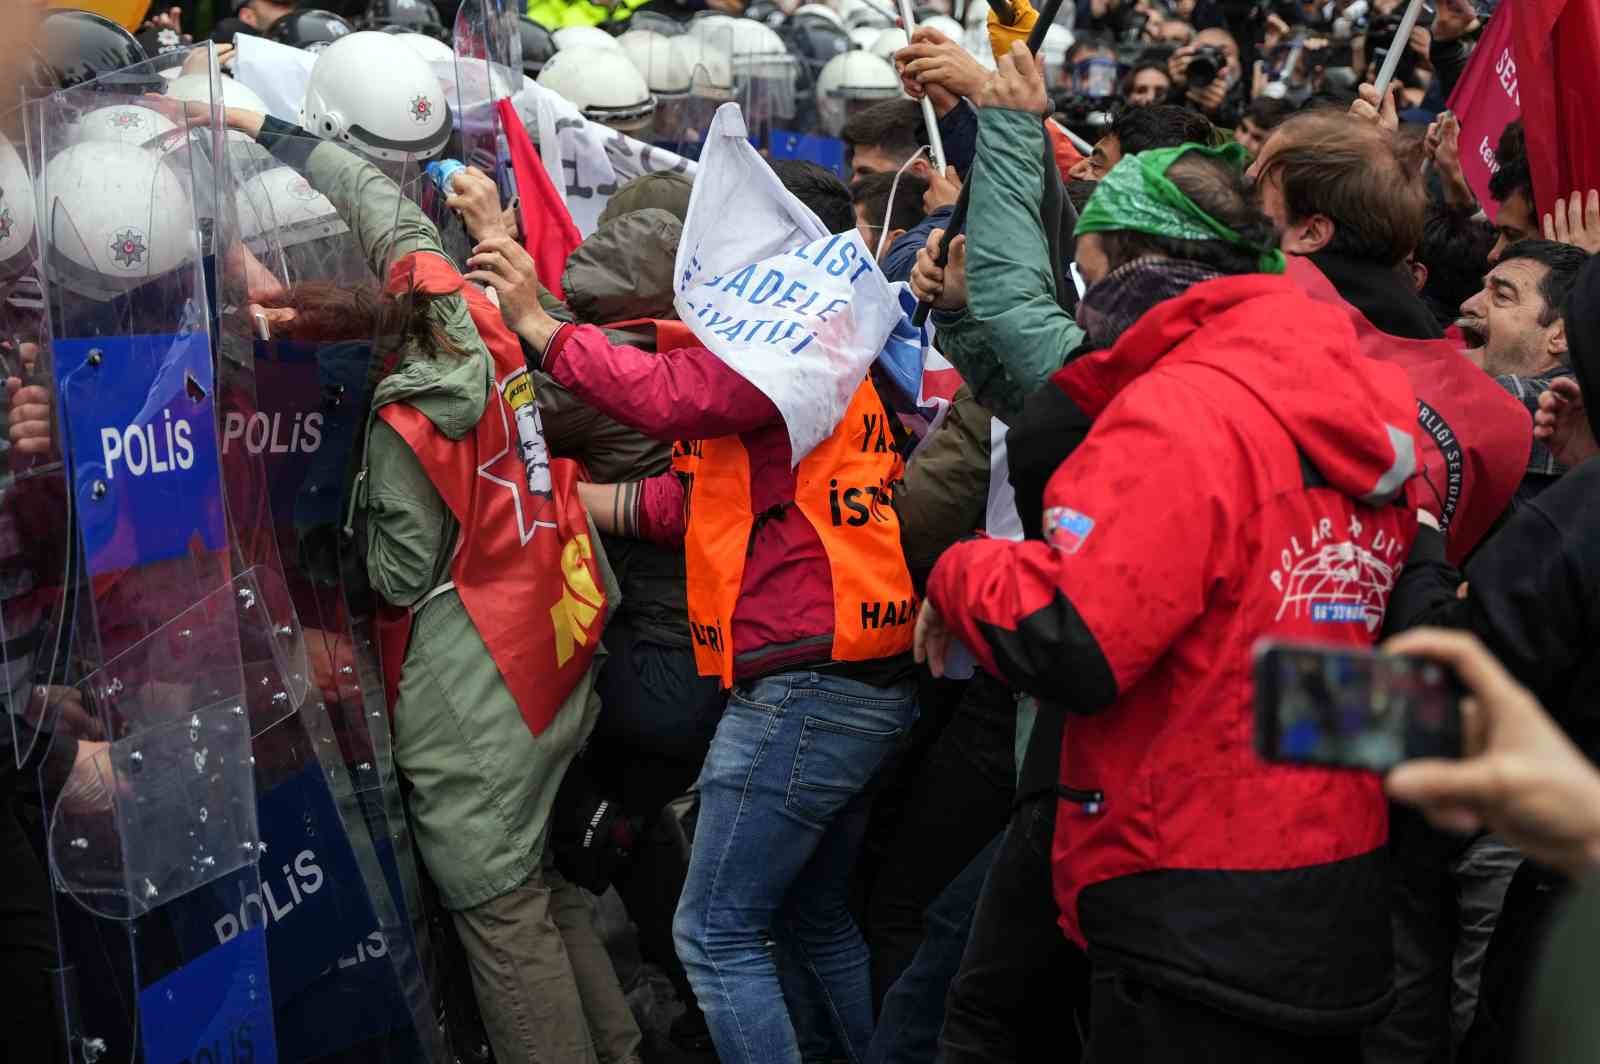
pixel 586 161
pixel 797 311
pixel 275 72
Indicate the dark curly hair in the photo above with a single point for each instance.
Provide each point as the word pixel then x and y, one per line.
pixel 1513 175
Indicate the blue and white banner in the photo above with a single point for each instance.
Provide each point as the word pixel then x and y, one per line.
pixel 797 311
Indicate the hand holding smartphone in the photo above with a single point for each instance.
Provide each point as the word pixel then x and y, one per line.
pixel 1350 708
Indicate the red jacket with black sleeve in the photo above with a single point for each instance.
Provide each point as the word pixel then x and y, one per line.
pixel 1246 476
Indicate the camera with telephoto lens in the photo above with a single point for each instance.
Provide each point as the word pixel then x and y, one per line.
pixel 1207 62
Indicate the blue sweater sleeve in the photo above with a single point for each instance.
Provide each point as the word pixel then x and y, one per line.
pixel 959 132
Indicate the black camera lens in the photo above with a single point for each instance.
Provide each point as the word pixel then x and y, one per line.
pixel 1205 65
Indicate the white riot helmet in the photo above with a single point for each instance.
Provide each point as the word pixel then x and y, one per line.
pixel 428 49
pixel 976 43
pixel 876 14
pixel 16 205
pixel 124 123
pixel 652 56
pixel 821 11
pixel 372 92
pixel 945 25
pixel 115 217
pixel 864 37
pixel 583 37
pixel 710 70
pixel 1053 53
pixel 196 88
pixel 280 205
pixel 603 84
pixel 888 42
pixel 849 82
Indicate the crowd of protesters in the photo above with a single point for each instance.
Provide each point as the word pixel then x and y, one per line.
pixel 934 738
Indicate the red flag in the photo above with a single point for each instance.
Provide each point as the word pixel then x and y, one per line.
pixel 1476 436
pixel 1485 101
pixel 1558 53
pixel 547 229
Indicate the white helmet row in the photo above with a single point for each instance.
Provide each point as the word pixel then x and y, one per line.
pixel 753 49
pixel 602 83
pixel 373 92
pixel 678 66
pixel 853 78
pixel 583 37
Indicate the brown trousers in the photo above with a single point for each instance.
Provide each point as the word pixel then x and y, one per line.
pixel 544 982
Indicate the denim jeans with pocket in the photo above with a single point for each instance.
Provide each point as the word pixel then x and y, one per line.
pixel 782 809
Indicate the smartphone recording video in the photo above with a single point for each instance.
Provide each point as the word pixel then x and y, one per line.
pixel 1345 708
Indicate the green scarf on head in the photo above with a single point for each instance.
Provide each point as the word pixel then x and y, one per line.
pixel 1137 195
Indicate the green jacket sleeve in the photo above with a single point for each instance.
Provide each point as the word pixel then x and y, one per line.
pixel 387 225
pixel 946 488
pixel 409 528
pixel 1013 334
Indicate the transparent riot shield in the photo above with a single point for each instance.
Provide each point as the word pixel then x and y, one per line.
pixel 488 50
pixel 301 285
pixel 146 790
pixel 35 570
pixel 766 75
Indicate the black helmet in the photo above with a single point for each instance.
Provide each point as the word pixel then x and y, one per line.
pixel 310 29
pixel 405 16
pixel 78 46
pixel 814 40
pixel 766 12
pixel 537 45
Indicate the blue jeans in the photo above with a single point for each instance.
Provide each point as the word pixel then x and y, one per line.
pixel 782 810
pixel 913 1009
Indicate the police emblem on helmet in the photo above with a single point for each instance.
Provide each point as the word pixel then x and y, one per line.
pixel 421 108
pixel 127 119
pixel 5 222
pixel 301 190
pixel 127 248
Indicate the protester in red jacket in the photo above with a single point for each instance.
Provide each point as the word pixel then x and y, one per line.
pixel 1245 477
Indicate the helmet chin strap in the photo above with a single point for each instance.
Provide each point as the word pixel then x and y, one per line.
pixel 894 186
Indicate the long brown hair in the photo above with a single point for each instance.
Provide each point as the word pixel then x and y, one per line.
pixel 396 325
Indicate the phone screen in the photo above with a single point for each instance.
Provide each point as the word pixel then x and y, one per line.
pixel 1353 708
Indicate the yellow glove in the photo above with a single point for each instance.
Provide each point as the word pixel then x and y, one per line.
pixel 1002 36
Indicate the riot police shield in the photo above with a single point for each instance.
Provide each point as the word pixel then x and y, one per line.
pixel 301 289
pixel 146 784
pixel 488 47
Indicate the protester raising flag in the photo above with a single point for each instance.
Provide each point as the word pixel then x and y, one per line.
pixel 797 311
pixel 1485 101
pixel 548 232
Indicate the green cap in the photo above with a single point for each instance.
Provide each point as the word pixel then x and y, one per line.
pixel 1137 195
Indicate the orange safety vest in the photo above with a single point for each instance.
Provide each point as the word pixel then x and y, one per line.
pixel 524 566
pixel 845 489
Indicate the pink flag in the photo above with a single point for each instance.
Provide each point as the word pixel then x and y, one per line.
pixel 1486 100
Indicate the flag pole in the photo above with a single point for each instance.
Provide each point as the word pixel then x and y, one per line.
pixel 929 118
pixel 958 215
pixel 1397 47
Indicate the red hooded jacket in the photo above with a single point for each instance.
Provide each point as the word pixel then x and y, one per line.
pixel 1246 477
